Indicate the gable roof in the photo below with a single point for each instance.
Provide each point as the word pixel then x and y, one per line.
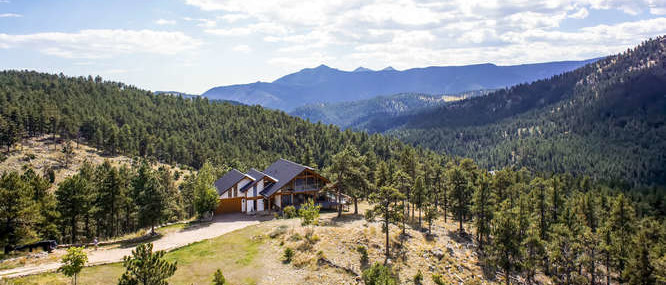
pixel 257 176
pixel 283 171
pixel 229 179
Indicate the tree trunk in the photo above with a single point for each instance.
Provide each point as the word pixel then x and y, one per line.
pixel 404 218
pixel 386 225
pixel 461 223
pixel 355 206
pixel 420 218
pixel 339 203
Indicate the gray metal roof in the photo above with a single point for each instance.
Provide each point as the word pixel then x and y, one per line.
pixel 283 171
pixel 257 176
pixel 228 180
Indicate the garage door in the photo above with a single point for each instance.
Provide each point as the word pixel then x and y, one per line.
pixel 230 205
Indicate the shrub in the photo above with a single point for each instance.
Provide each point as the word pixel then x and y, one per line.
pixel 218 278
pixel 289 212
pixel 437 278
pixel 418 278
pixel 369 215
pixel 288 254
pixel 364 254
pixel 309 213
pixel 379 274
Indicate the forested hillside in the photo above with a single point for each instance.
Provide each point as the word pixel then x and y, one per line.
pixel 356 114
pixel 605 119
pixel 122 119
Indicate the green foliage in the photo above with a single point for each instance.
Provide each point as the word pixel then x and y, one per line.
pixel 118 118
pixel 364 254
pixel 348 173
pixel 288 254
pixel 437 279
pixel 218 278
pixel 418 278
pixel 505 251
pixel 18 212
pixel 289 212
pixel 146 267
pixel 309 213
pixel 605 120
pixel 205 195
pixel 73 262
pixel 379 274
pixel 149 195
pixel 388 209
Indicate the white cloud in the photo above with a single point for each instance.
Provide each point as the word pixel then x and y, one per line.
pixel 202 22
pixel 10 15
pixel 102 43
pixel 407 33
pixel 232 18
pixel 165 22
pixel 580 14
pixel 242 48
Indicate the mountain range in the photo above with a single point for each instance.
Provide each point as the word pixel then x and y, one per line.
pixel 324 84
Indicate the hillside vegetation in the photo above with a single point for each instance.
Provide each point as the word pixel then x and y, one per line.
pixel 357 114
pixel 605 119
pixel 121 119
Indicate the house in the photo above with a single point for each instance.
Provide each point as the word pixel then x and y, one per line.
pixel 282 184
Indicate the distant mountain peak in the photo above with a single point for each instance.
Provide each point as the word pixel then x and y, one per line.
pixel 388 68
pixel 362 69
pixel 323 66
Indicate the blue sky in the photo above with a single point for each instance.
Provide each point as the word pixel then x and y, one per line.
pixel 193 45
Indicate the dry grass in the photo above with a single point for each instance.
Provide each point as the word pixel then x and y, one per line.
pixel 324 254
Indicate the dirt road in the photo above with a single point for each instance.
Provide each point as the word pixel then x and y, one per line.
pixel 221 224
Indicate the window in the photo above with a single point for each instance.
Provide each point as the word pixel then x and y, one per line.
pixel 236 190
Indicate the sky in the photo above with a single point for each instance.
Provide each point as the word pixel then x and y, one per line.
pixel 193 45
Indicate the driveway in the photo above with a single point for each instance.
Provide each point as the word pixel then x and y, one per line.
pixel 221 224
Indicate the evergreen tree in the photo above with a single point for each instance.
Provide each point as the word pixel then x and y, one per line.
pixel 482 210
pixel 146 267
pixel 460 188
pixel 71 203
pixel 386 206
pixel 18 212
pixel 505 249
pixel 149 197
pixel 349 175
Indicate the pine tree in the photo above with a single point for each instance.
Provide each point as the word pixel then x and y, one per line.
pixel 482 210
pixel 402 182
pixel 386 206
pixel 150 197
pixel 146 267
pixel 505 249
pixel 71 203
pixel 621 221
pixel 460 188
pixel 17 211
pixel 348 174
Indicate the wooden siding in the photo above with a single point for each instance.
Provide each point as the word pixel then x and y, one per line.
pixel 229 205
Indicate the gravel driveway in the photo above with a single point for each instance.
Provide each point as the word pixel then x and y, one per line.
pixel 220 225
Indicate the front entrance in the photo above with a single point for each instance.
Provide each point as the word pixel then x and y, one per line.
pixel 229 205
